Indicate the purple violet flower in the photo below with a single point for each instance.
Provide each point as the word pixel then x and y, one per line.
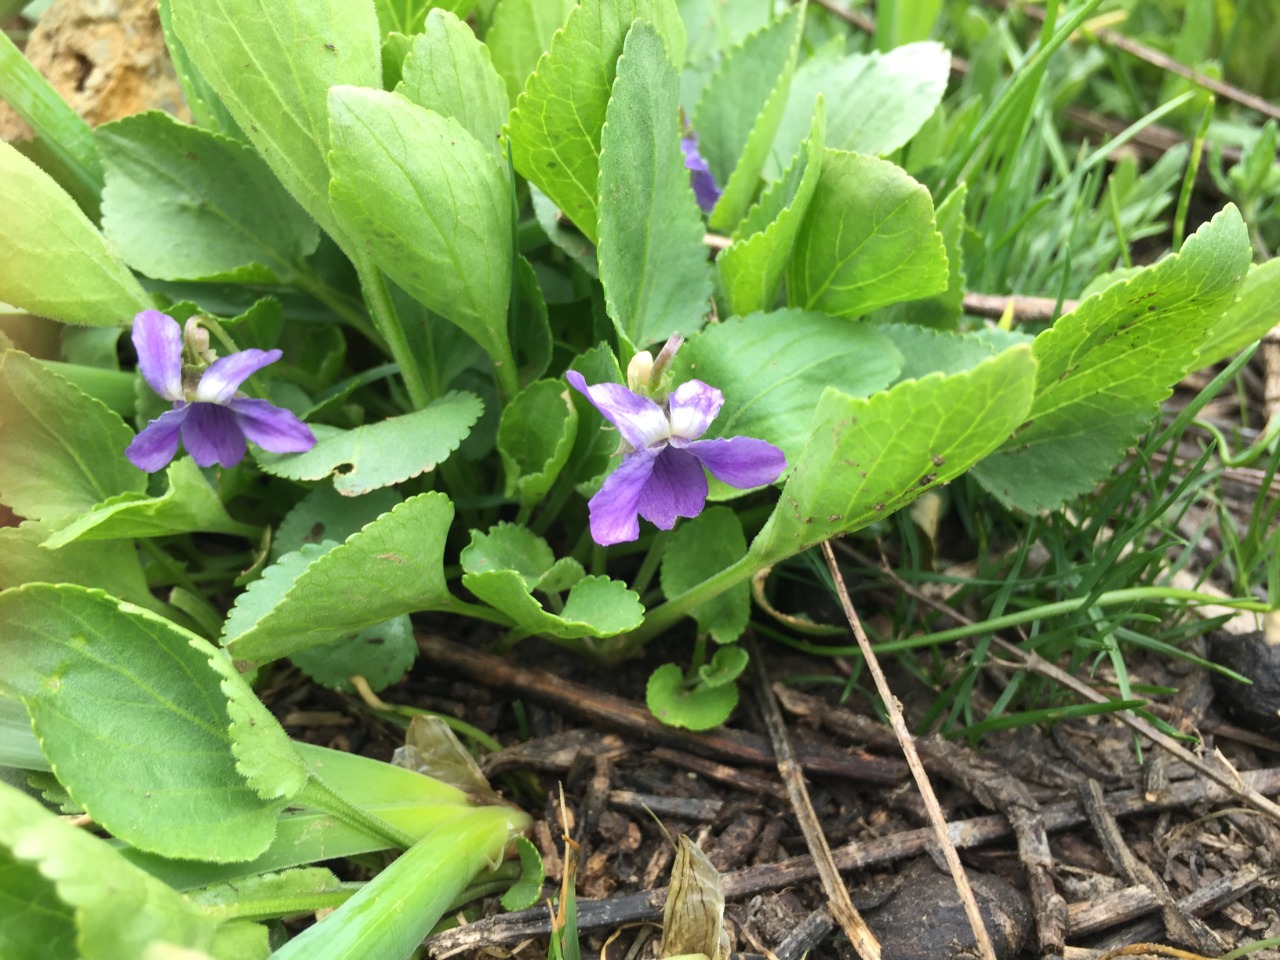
pixel 704 183
pixel 661 476
pixel 212 418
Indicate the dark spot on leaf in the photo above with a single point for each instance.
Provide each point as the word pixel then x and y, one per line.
pixel 834 518
pixel 375 641
pixel 927 479
pixel 330 46
pixel 879 508
pixel 316 534
pixel 343 469
pixel 937 460
pixel 551 164
pixel 192 157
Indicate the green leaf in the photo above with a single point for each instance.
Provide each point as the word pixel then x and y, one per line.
pixel 206 108
pixel 876 101
pixel 61 133
pixel 402 552
pixel 937 351
pixel 404 16
pixel 134 722
pixel 654 268
pixel 451 72
pixel 556 125
pixel 520 34
pixel 1248 318
pixel 529 322
pixel 265 594
pixel 699 707
pixel 535 437
pixel 186 204
pixel 265 756
pixel 119 911
pixel 381 654
pixel 595 607
pixel 110 565
pixel 1104 368
pixel 527 891
pixel 751 267
pixel 190 504
pixel 19 747
pixel 431 204
pixel 774 367
pixel 272 63
pixel 698 550
pixel 942 311
pixel 867 458
pixel 63 450
pixel 53 261
pixel 508 546
pixel 715 25
pixel 726 665
pixel 412 802
pixel 33 921
pixel 384 453
pixel 739 111
pixel 394 912
pixel 325 514
pixel 868 240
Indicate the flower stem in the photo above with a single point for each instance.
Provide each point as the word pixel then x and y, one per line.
pixel 649 565
pixel 387 321
pixel 1110 598
pixel 663 616
pixel 321 292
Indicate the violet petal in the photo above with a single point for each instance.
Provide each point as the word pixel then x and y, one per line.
pixel 742 462
pixel 272 428
pixel 158 340
pixel 614 508
pixel 677 488
pixel 705 189
pixel 220 382
pixel 211 435
pixel 693 406
pixel 157 444
pixel 640 421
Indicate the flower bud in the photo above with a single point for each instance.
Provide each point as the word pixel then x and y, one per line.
pixel 639 371
pixel 195 343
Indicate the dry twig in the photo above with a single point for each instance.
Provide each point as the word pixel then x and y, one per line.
pixel 842 908
pixel 894 710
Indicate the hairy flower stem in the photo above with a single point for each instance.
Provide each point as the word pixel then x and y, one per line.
pixel 387 322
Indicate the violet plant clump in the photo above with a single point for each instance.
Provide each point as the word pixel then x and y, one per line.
pixel 462 278
pixel 209 413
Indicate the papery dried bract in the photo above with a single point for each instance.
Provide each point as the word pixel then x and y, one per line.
pixel 693 918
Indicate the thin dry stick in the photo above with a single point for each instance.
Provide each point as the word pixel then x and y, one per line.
pixel 1229 780
pixel 841 906
pixel 899 725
